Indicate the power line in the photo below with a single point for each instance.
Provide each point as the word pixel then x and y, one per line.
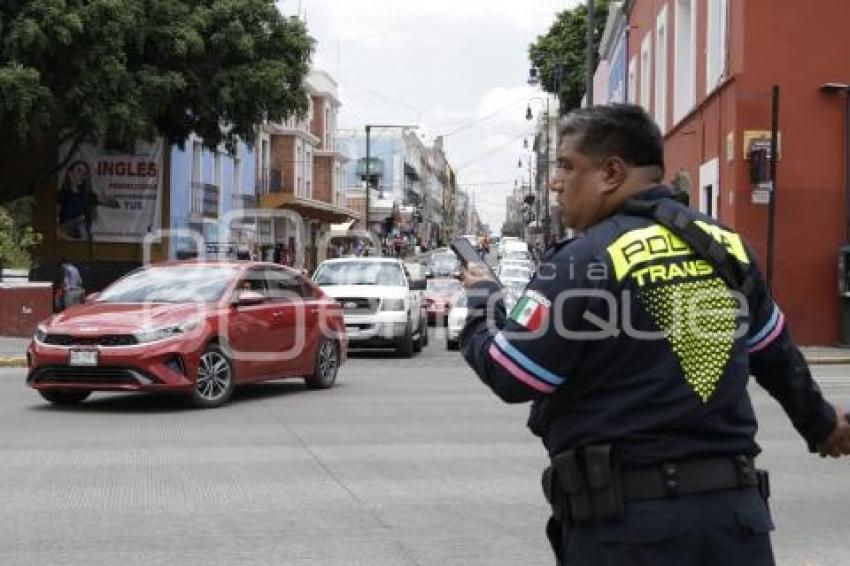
pixel 487 117
pixel 492 151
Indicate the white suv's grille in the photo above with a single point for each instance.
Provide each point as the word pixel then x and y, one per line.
pixel 358 305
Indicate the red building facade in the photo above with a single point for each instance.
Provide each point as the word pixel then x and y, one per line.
pixel 705 70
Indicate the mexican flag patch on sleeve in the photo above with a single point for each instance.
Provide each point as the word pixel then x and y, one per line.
pixel 531 310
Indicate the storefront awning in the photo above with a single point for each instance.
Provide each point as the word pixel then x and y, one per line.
pixel 308 208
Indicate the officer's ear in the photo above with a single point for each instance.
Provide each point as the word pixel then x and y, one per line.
pixel 613 173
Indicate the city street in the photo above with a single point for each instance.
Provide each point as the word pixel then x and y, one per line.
pixel 404 462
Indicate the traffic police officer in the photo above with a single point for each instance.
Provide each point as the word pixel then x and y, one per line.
pixel 635 342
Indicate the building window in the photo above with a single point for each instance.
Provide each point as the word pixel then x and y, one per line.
pixel 685 75
pixel 217 169
pixel 299 165
pixel 646 72
pixel 264 166
pixel 327 141
pixel 715 44
pixel 237 173
pixel 709 183
pixel 661 70
pixel 197 152
pixel 632 95
pixel 308 171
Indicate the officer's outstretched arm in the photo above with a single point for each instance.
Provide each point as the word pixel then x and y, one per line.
pixel 484 324
pixel 523 355
pixel 779 367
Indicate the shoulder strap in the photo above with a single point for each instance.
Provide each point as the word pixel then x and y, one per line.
pixel 677 219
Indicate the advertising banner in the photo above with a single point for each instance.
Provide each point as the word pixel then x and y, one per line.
pixel 110 197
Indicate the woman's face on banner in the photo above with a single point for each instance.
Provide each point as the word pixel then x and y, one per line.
pixel 80 174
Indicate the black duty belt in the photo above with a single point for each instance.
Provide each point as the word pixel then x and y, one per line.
pixel 685 478
pixel 590 486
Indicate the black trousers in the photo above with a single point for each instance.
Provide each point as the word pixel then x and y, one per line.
pixel 721 528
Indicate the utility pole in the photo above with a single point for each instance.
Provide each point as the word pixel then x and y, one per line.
pixel 591 55
pixel 547 220
pixel 368 177
pixel 774 158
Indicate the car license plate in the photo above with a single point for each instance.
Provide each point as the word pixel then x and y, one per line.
pixel 352 329
pixel 83 358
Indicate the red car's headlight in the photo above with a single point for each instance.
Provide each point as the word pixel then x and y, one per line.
pixel 40 334
pixel 156 334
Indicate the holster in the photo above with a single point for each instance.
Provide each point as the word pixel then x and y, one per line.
pixel 585 486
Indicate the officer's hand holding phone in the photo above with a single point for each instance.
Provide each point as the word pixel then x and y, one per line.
pixel 473 267
pixel 473 273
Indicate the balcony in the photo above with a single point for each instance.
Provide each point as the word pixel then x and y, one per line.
pixel 205 199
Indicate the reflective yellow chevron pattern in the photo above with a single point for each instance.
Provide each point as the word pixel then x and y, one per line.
pixel 685 297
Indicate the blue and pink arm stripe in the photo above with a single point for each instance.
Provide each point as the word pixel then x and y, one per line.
pixel 768 333
pixel 522 367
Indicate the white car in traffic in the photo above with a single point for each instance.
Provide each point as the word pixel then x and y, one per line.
pixel 456 321
pixel 381 304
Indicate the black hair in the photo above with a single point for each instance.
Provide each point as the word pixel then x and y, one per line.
pixel 616 130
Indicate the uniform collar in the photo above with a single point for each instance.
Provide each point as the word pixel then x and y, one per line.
pixel 655 192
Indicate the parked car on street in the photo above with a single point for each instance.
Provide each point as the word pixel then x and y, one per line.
pixel 439 296
pixel 382 304
pixel 199 328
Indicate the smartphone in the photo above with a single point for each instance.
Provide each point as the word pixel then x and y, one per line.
pixel 467 254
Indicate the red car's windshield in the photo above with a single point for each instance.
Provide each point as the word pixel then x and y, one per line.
pixel 171 284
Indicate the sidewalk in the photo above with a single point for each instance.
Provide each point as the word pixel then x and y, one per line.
pixel 13 353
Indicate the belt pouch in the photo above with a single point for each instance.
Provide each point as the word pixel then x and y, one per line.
pixel 570 478
pixel 605 484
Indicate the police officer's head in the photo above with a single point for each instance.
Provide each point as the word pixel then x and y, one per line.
pixel 606 155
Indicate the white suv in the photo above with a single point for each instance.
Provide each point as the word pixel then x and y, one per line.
pixel 381 304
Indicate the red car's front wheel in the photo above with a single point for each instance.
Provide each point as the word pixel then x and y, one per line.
pixel 327 365
pixel 216 379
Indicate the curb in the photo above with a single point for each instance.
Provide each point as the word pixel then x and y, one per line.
pixel 13 361
pixel 827 361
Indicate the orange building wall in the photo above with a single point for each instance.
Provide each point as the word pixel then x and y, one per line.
pixel 323 177
pixel 772 43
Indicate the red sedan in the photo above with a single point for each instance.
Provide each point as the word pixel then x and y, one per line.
pixel 438 297
pixel 195 327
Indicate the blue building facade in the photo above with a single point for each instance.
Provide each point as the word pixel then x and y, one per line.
pixel 208 188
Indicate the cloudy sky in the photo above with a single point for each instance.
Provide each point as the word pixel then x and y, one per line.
pixel 458 68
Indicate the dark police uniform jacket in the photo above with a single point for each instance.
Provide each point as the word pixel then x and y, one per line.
pixel 625 336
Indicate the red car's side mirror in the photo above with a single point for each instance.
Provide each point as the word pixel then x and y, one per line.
pixel 249 298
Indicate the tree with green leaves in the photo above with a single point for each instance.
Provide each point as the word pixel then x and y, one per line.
pixel 17 237
pixel 112 72
pixel 560 54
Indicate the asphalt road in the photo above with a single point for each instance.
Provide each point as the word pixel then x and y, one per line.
pixel 404 462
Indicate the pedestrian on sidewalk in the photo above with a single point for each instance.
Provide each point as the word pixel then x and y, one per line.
pixel 71 290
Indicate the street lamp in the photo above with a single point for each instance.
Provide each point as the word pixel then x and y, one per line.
pixel 545 192
pixel 369 156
